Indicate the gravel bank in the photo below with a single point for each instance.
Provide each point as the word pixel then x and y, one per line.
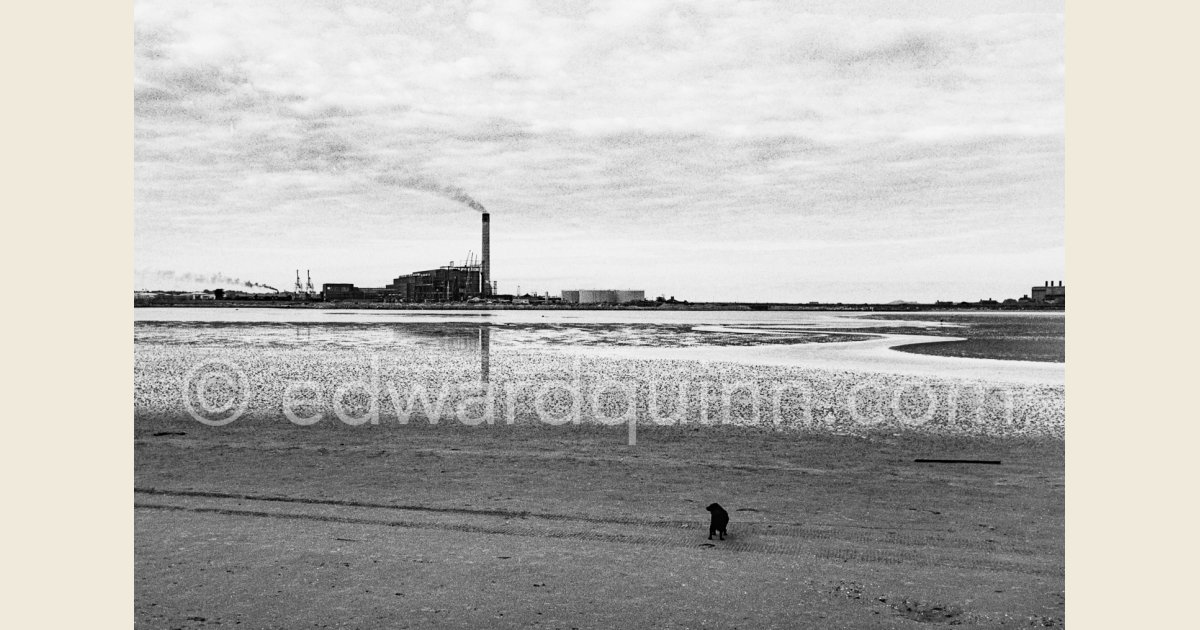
pixel 419 385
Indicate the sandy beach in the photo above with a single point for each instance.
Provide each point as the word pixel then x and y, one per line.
pixel 440 476
pixel 533 526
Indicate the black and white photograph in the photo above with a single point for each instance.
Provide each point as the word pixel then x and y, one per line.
pixel 584 314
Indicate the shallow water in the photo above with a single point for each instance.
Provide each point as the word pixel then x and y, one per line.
pixel 366 316
pixel 830 340
pixel 843 367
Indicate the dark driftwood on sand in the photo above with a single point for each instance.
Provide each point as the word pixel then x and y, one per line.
pixel 957 461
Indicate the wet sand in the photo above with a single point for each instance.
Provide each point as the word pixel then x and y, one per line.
pixel 869 354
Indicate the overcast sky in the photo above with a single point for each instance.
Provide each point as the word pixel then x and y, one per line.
pixel 833 151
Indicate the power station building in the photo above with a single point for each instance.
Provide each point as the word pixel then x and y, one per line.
pixel 602 296
pixel 1049 294
pixel 444 284
pixel 452 283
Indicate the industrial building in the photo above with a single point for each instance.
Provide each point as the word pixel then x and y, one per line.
pixel 602 296
pixel 470 281
pixel 1049 293
pixel 340 291
pixel 444 284
pixel 451 283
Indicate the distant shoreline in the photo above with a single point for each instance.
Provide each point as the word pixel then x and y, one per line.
pixel 693 306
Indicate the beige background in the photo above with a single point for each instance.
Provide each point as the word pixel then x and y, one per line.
pixel 1132 133
pixel 68 367
pixel 1131 437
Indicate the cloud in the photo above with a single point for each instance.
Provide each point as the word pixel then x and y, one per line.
pixel 637 122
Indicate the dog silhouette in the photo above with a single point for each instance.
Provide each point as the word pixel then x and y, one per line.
pixel 720 519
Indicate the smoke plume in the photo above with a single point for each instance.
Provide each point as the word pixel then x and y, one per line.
pixel 186 281
pixel 445 190
pixel 259 285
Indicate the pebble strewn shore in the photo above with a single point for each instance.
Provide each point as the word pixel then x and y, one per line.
pixel 424 385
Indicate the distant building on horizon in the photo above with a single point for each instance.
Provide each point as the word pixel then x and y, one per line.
pixel 602 296
pixel 452 283
pixel 1049 293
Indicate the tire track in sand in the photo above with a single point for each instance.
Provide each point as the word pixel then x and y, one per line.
pixel 893 547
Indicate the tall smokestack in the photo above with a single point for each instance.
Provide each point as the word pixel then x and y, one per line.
pixel 485 271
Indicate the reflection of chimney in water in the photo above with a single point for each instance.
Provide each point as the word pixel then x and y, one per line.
pixel 485 351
